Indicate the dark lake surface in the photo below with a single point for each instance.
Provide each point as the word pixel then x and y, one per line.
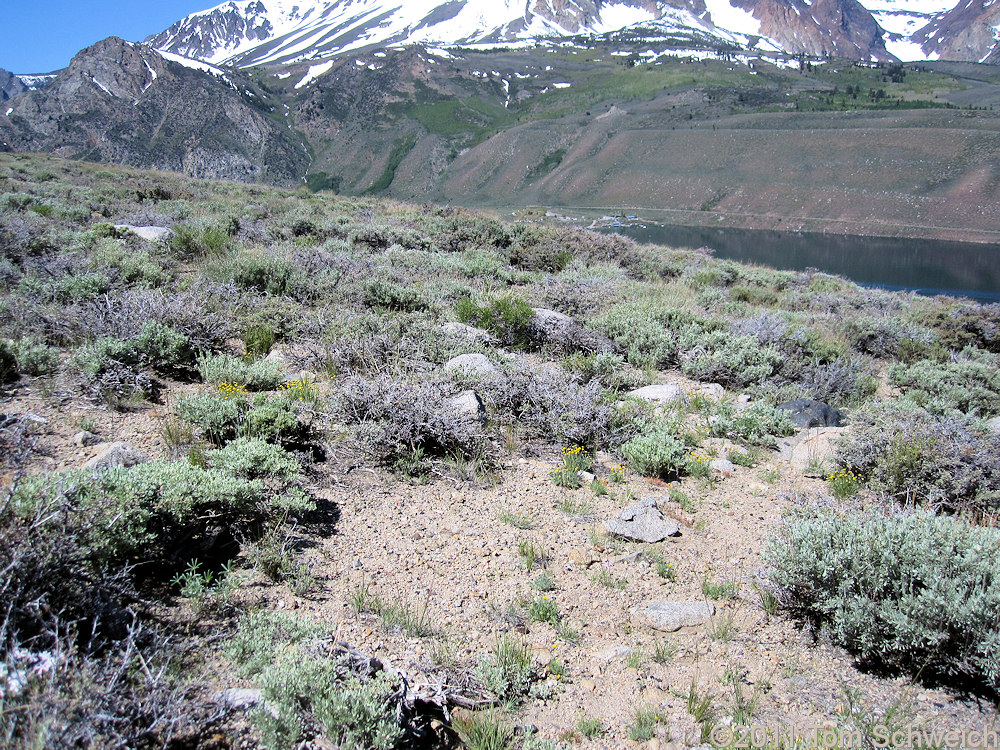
pixel 960 269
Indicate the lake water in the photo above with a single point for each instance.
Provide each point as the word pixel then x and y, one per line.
pixel 961 269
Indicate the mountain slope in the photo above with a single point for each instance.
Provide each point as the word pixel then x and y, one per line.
pixel 969 31
pixel 126 103
pixel 254 32
pixel 10 85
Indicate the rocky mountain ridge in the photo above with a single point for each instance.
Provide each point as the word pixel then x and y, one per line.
pixel 126 103
pixel 255 32
pixel 268 32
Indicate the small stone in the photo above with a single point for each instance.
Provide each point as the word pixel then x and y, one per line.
pixel 240 698
pixel 477 334
pixel 713 391
pixel 669 616
pixel 743 399
pixel 471 364
pixel 582 557
pixel 993 425
pixel 151 234
pixel 468 406
pixel 723 466
pixel 85 438
pixel 586 477
pixel 588 686
pixel 629 558
pixel 116 454
pixel 614 653
pixel 643 522
pixel 663 394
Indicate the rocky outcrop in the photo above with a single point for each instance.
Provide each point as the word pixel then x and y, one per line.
pixel 807 412
pixel 669 616
pixel 840 28
pixel 967 32
pixel 126 104
pixel 643 522
pixel 10 85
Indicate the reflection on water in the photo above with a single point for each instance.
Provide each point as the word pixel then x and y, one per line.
pixel 926 266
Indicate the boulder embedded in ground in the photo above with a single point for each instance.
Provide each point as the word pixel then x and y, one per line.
pixel 713 391
pixel 814 453
pixel 85 438
pixel 461 329
pixel 668 616
pixel 151 234
pixel 561 330
pixel 468 406
pixel 723 466
pixel 807 412
pixel 994 425
pixel 663 394
pixel 643 522
pixel 471 364
pixel 240 699
pixel 582 557
pixel 117 454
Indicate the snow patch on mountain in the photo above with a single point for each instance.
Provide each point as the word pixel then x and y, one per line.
pixel 314 72
pixel 187 62
pixel 730 18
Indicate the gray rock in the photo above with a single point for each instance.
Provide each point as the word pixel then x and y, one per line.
pixel 643 522
pixel 151 234
pixel 713 391
pixel 476 334
pixel 994 425
pixel 561 330
pixel 664 394
pixel 471 364
pixel 743 399
pixel 240 699
pixel 116 454
pixel 807 412
pixel 468 406
pixel 723 466
pixel 669 616
pixel 586 477
pixel 614 653
pixel 550 320
pixel 84 438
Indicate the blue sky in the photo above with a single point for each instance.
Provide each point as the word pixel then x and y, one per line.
pixel 37 36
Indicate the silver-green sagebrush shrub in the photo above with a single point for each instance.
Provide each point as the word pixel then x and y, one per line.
pixel 506 671
pixel 221 417
pixel 308 693
pixel 648 333
pixel 908 590
pixel 657 453
pixel 396 417
pixel 969 383
pixel 141 512
pixel 732 360
pixel 758 424
pixel 947 462
pixel 254 458
pixel 253 374
pixel 33 358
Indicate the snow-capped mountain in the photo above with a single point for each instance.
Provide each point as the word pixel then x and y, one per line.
pixel 968 31
pixel 255 32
